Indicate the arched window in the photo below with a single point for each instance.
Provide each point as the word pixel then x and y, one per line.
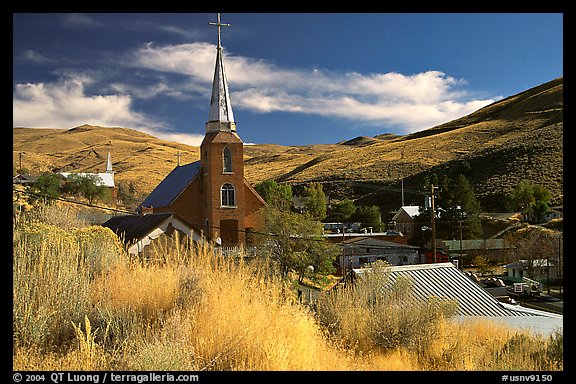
pixel 227 157
pixel 228 199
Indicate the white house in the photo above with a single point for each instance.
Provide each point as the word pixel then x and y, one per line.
pixel 359 251
pixel 536 269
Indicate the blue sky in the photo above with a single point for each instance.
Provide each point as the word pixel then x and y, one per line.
pixel 294 78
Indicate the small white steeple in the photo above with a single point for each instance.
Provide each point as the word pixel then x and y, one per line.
pixel 221 116
pixel 109 161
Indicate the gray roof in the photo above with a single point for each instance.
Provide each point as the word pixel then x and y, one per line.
pixel 444 280
pixel 411 210
pixel 134 227
pixel 474 244
pixel 170 188
pixel 377 243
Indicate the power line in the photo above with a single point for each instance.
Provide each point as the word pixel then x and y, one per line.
pixel 135 214
pixel 71 201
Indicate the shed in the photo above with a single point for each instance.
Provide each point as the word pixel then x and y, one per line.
pixel 404 219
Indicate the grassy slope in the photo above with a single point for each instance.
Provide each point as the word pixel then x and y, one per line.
pixel 495 147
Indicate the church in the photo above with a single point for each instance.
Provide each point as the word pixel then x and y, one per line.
pixel 211 194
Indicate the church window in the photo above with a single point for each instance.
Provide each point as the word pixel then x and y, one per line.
pixel 228 199
pixel 227 157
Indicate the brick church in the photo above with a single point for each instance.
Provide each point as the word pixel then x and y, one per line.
pixel 212 194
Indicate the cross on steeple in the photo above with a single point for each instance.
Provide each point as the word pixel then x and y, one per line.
pixel 221 117
pixel 219 24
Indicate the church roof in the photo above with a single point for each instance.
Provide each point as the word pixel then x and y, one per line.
pixel 172 185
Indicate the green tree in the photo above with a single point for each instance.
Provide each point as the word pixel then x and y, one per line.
pixel 523 196
pixel 47 187
pixel 465 198
pixel 456 201
pixel 277 195
pixel 127 193
pixel 315 200
pixel 531 199
pixel 343 210
pixel 295 242
pixel 88 185
pixel 369 216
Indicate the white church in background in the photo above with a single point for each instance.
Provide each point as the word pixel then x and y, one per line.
pixel 104 178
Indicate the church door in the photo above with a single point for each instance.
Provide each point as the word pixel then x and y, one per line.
pixel 229 232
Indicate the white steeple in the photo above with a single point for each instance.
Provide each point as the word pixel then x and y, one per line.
pixel 221 116
pixel 109 162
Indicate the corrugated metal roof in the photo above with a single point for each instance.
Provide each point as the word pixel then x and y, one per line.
pixel 172 185
pixel 479 244
pixel 444 280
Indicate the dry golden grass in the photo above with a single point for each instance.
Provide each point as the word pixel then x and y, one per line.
pixel 192 310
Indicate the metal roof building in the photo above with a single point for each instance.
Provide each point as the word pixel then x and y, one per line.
pixel 444 280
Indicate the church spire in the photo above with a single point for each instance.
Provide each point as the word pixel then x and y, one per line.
pixel 109 161
pixel 221 116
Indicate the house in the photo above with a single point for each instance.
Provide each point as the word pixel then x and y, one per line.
pixel 212 194
pixel 138 231
pixel 359 251
pixel 404 220
pixel 25 180
pixel 445 281
pixel 537 269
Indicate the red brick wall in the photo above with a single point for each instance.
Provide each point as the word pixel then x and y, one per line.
pixel 201 200
pixel 211 150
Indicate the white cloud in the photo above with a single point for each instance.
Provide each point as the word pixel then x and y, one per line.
pixel 406 102
pixel 410 102
pixel 65 105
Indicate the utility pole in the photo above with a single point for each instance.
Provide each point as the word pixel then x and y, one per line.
pixel 433 222
pixel 344 252
pixel 20 170
pixel 461 255
pixel 402 192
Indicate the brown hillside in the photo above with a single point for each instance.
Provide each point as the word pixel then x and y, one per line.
pixel 520 137
pixel 137 157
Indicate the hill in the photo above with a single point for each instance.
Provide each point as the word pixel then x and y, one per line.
pixel 520 137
